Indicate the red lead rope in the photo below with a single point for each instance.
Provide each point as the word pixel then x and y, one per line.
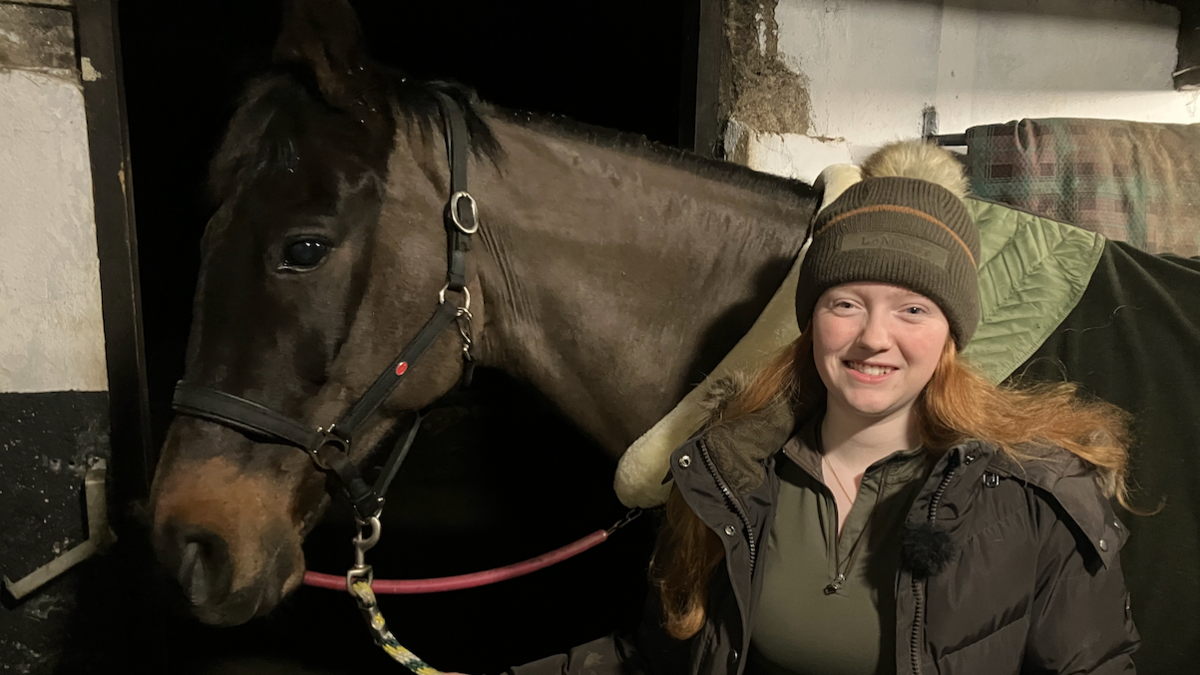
pixel 463 581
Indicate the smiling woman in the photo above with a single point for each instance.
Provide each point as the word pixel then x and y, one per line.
pixel 876 346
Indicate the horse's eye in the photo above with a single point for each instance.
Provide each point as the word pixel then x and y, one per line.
pixel 304 254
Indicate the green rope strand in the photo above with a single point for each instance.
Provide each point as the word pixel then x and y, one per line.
pixel 383 637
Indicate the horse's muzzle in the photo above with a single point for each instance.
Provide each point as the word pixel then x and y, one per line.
pixel 199 562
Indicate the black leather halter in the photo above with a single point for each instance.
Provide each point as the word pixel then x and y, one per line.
pixel 330 446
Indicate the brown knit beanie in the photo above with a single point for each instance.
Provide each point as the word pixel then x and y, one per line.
pixel 898 230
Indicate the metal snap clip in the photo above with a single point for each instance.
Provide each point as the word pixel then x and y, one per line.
pixel 1103 544
pixel 991 479
pixel 685 461
pixel 730 530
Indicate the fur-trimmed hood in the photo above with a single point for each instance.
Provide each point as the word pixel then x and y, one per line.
pixel 738 447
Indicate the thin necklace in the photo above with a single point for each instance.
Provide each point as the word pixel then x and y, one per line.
pixel 840 578
pixel 837 479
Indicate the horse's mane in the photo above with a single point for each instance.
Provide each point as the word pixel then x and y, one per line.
pixel 263 134
pixel 639 145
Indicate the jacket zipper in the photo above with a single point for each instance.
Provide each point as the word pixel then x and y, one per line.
pixel 731 501
pixel 914 646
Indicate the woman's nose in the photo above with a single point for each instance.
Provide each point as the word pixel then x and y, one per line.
pixel 876 335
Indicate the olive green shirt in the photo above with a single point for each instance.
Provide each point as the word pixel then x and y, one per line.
pixel 803 625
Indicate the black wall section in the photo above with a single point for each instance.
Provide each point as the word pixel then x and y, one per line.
pixel 48 441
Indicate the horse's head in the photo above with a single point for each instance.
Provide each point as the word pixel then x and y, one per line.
pixel 302 299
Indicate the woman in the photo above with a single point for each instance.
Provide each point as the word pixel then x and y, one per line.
pixel 867 504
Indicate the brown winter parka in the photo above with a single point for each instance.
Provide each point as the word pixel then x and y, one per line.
pixel 1033 583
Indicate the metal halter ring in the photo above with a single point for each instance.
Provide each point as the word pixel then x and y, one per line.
pixel 328 437
pixel 466 297
pixel 454 199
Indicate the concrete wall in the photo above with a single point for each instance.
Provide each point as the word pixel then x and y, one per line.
pixel 869 68
pixel 51 327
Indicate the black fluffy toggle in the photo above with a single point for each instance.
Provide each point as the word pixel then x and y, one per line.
pixel 927 549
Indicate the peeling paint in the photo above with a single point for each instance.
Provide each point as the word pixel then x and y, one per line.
pixel 89 73
pixel 30 657
pixel 757 86
pixel 762 34
pixel 41 607
pixel 737 142
pixel 36 38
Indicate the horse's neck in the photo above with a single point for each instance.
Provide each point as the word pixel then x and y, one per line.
pixel 614 280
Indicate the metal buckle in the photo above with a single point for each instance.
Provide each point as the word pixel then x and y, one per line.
pixel 328 437
pixel 454 199
pixel 466 297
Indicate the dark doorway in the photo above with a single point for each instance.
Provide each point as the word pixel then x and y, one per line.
pixel 492 482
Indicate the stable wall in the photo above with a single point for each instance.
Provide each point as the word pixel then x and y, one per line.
pixel 863 72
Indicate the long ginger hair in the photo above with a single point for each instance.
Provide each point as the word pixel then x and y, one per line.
pixel 957 405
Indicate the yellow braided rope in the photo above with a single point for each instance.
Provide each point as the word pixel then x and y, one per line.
pixel 383 637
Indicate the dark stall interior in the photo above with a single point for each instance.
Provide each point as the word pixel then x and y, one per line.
pixel 498 479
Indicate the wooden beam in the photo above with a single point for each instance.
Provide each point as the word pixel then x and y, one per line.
pixel 1187 70
pixel 703 58
pixel 116 239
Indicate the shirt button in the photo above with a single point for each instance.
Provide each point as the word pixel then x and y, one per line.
pixel 730 530
pixel 685 461
pixel 1116 523
pixel 1103 544
pixel 733 657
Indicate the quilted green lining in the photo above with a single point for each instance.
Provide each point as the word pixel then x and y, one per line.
pixel 1034 271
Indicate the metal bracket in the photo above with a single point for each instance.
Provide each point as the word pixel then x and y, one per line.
pixel 100 536
pixel 929 122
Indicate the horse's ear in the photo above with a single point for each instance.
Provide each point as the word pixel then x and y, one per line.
pixel 324 36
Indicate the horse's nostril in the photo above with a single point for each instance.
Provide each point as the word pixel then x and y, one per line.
pixel 204 571
pixel 193 574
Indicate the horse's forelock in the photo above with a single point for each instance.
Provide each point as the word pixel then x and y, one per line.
pixel 274 118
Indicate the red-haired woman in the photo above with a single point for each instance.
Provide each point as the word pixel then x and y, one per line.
pixel 867 504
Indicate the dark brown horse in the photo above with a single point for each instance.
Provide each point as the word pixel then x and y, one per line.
pixel 609 273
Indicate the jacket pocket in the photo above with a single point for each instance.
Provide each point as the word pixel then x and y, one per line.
pixel 997 653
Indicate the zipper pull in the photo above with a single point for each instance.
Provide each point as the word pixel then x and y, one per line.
pixel 836 584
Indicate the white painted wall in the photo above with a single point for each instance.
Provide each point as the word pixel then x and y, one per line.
pixel 51 325
pixel 873 65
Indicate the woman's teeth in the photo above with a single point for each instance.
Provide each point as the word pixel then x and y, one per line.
pixel 870 370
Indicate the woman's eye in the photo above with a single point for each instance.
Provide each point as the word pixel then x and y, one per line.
pixel 304 254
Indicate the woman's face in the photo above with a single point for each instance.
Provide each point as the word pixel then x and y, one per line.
pixel 876 347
